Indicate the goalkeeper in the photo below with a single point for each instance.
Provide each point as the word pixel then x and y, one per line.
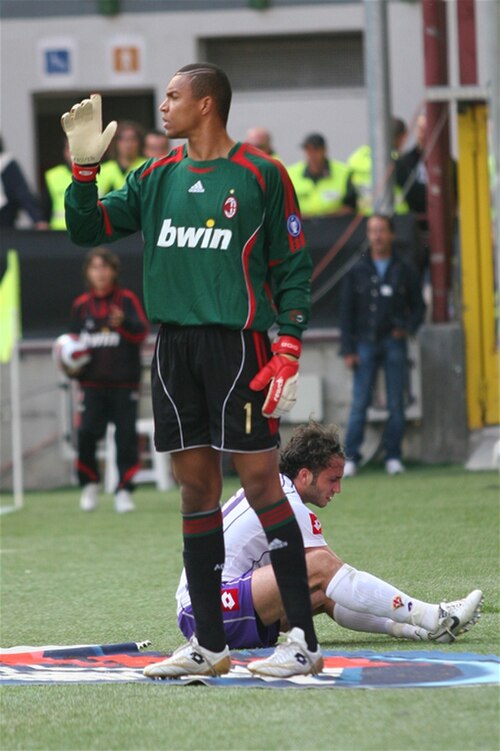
pixel 312 465
pixel 225 259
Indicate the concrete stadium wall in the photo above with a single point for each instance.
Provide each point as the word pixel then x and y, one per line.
pixel 436 434
pixel 171 39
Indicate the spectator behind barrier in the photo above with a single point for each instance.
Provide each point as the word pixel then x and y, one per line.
pixel 360 163
pixel 16 195
pixel 323 185
pixel 128 146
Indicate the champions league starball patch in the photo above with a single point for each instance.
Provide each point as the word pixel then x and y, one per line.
pixel 124 663
pixel 294 225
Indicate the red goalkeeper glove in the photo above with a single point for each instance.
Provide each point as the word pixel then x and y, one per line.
pixel 281 374
pixel 87 141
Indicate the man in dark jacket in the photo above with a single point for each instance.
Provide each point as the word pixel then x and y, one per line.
pixel 381 306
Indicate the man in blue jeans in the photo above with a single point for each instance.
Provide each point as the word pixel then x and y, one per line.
pixel 381 305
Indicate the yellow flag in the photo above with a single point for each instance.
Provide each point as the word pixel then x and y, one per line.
pixel 10 307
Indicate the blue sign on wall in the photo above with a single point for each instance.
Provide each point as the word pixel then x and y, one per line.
pixel 57 61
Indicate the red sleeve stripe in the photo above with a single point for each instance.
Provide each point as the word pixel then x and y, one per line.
pixel 241 159
pixel 245 259
pixel 139 337
pixel 176 156
pixel 291 207
pixel 261 154
pixel 108 227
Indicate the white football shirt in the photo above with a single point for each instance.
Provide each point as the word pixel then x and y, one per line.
pixel 245 541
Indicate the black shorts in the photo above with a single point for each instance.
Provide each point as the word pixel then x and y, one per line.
pixel 201 397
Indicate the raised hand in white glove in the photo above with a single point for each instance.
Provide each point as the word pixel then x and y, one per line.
pixel 87 142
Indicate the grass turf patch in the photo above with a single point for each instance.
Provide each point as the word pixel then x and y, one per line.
pixel 69 577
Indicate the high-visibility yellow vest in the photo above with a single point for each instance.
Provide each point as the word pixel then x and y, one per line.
pixel 57 180
pixel 111 177
pixel 360 164
pixel 326 195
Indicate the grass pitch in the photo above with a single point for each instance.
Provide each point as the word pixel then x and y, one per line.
pixel 69 577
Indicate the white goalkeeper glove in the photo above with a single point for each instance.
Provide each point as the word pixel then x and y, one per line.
pixel 87 143
pixel 281 374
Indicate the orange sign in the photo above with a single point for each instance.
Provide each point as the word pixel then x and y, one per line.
pixel 126 59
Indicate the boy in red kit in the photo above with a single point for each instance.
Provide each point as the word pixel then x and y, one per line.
pixel 111 322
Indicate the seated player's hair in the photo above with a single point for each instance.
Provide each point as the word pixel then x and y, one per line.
pixel 311 446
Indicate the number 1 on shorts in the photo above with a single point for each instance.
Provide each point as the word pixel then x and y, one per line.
pixel 248 417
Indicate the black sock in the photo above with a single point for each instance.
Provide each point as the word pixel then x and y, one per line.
pixel 286 547
pixel 203 561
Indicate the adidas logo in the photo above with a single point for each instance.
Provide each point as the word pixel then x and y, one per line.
pixel 197 187
pixel 277 544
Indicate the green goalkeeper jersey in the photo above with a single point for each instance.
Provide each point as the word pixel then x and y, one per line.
pixel 223 241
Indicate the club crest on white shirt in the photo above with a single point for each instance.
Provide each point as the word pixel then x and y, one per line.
pixel 316 526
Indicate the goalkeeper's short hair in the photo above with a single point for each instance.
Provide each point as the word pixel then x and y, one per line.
pixel 208 79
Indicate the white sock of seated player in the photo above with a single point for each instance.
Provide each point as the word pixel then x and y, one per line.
pixel 373 624
pixel 365 593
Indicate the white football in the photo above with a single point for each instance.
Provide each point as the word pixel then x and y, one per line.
pixel 70 353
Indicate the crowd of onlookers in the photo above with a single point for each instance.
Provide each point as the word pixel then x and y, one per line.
pixel 325 185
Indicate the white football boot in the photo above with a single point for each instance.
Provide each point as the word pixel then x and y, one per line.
pixel 88 498
pixel 123 502
pixel 457 617
pixel 191 659
pixel 408 631
pixel 291 657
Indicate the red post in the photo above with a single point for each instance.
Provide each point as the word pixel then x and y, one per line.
pixel 438 162
pixel 467 55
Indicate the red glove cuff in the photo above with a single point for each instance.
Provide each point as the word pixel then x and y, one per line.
pixel 287 345
pixel 85 173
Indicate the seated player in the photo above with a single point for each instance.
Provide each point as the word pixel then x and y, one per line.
pixel 312 465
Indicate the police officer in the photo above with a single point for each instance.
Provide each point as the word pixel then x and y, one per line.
pixel 57 180
pixel 360 163
pixel 323 185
